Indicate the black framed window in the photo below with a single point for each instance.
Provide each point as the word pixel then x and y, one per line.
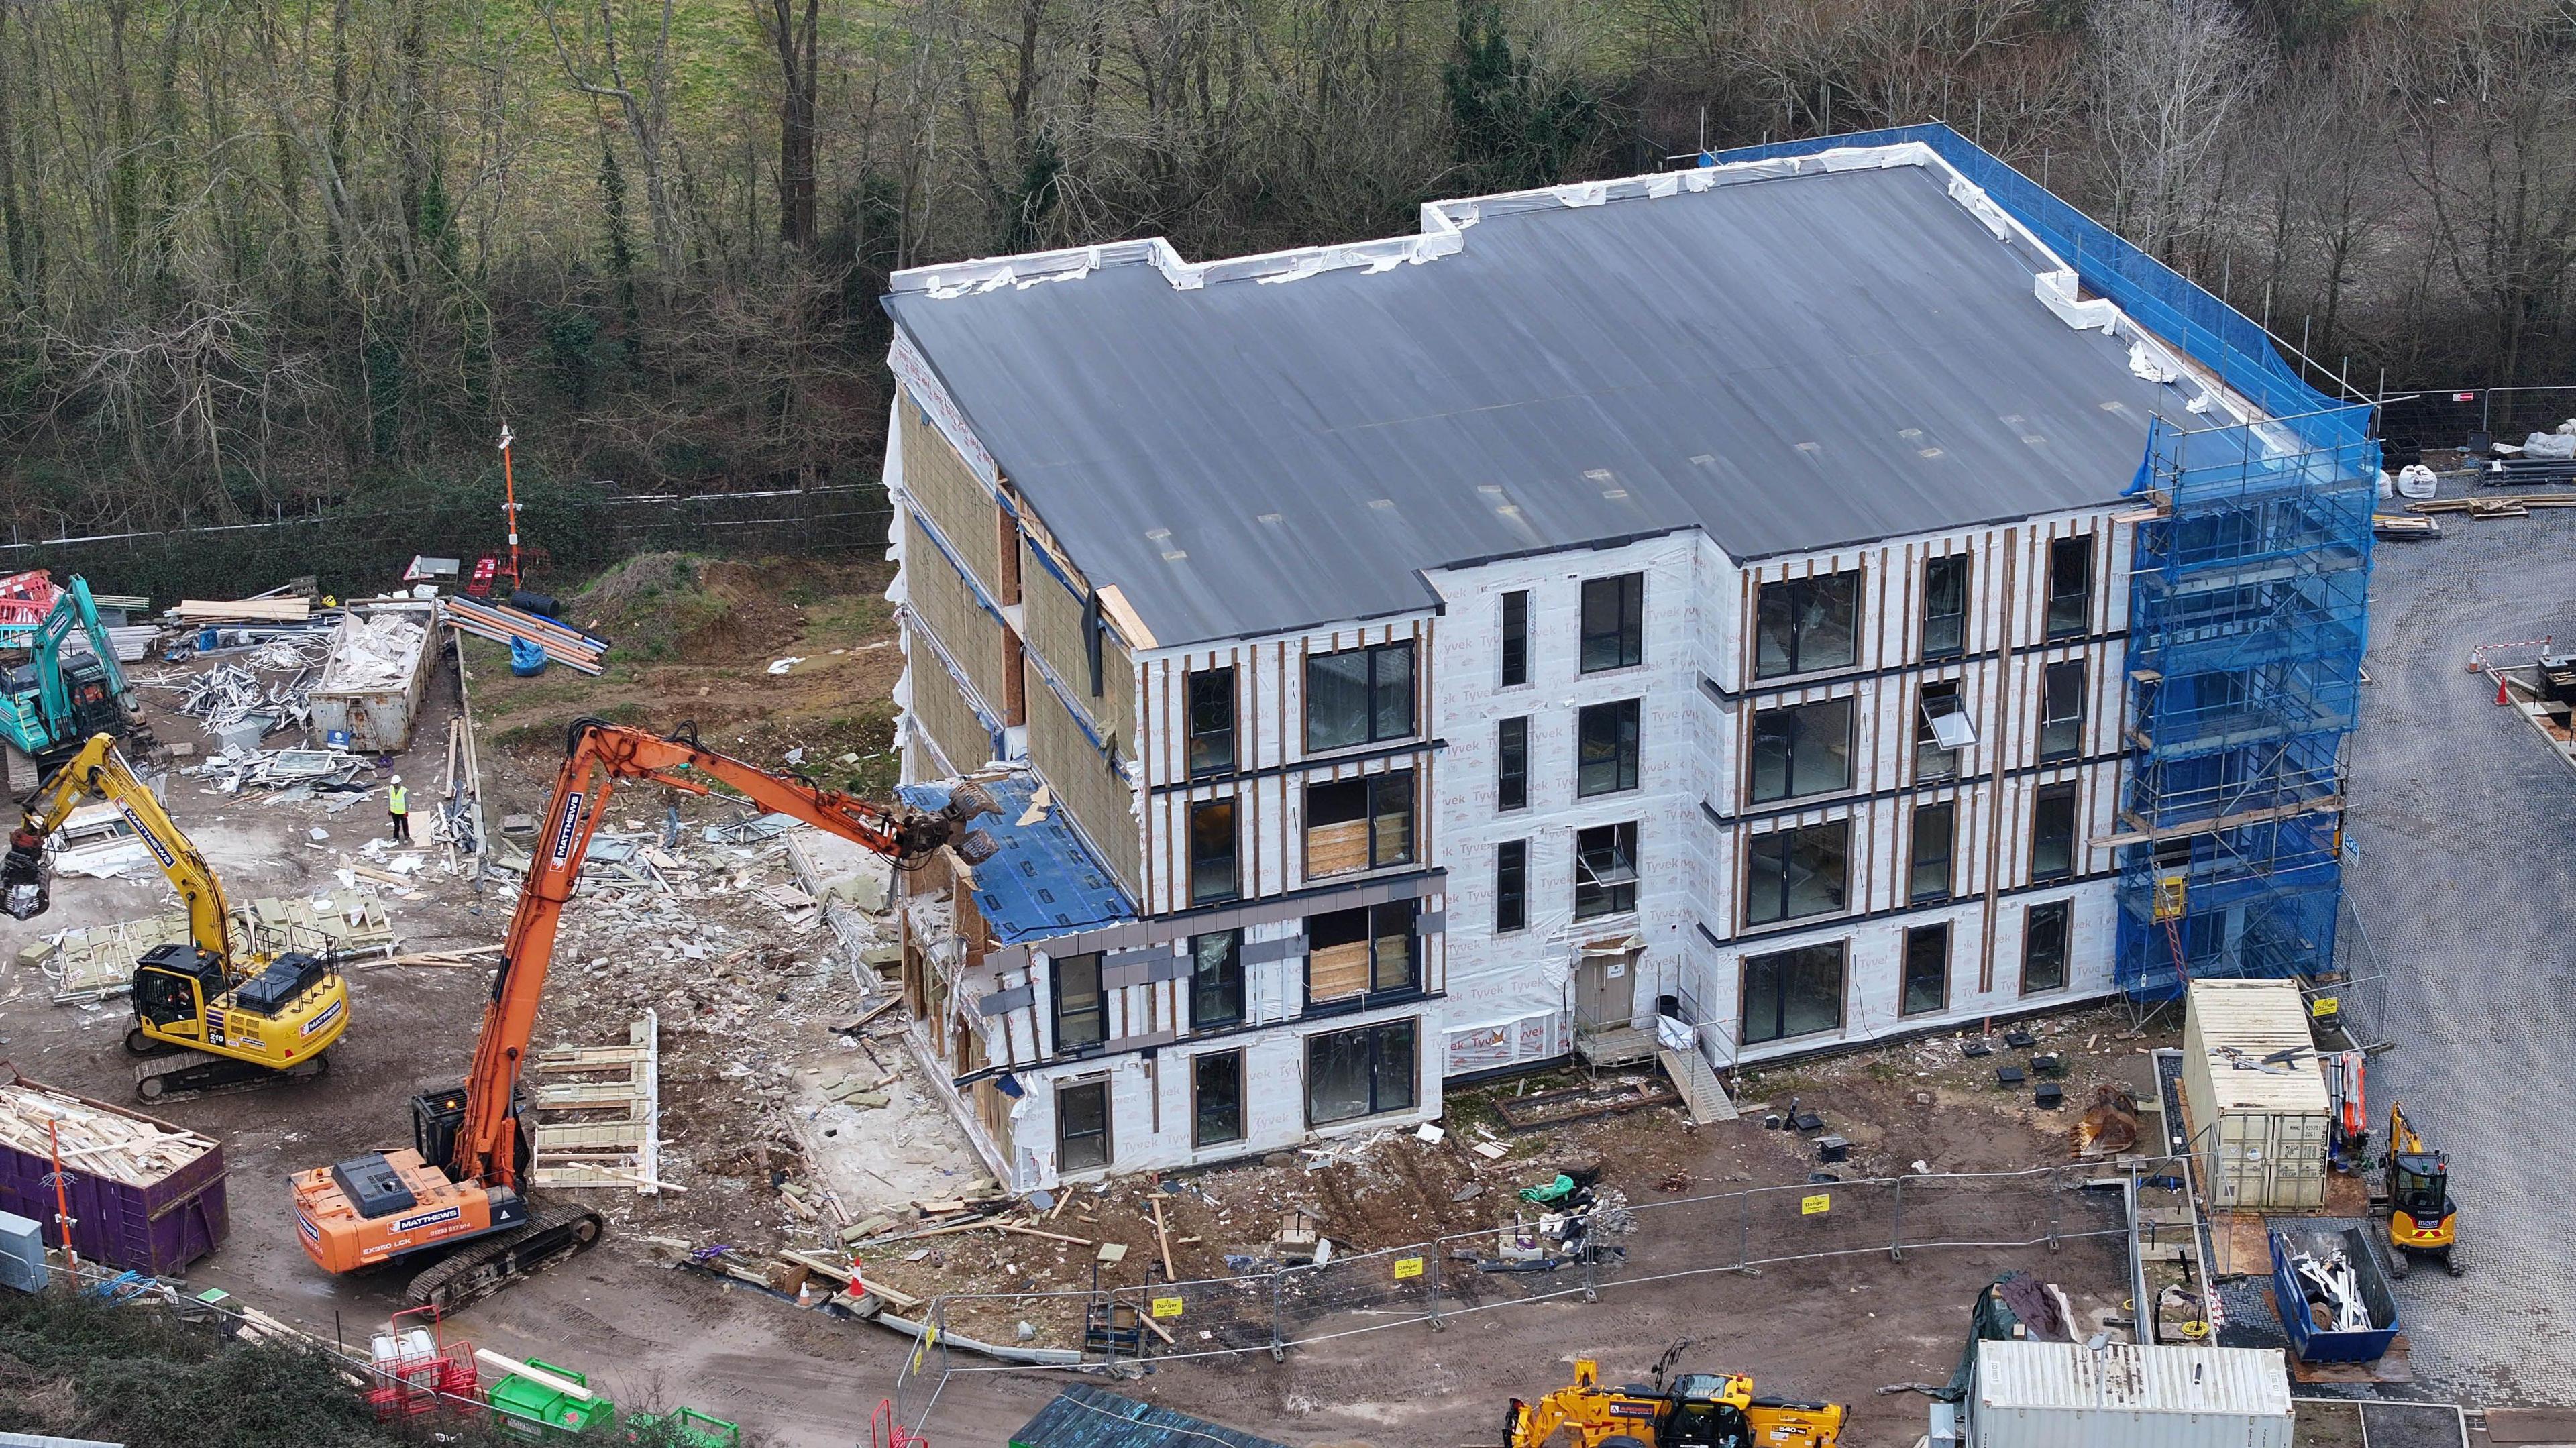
pixel 1211 721
pixel 1511 764
pixel 1614 622
pixel 1605 748
pixel 1359 824
pixel 2070 586
pixel 1213 875
pixel 1515 638
pixel 1605 870
pixel 1216 1098
pixel 1927 970
pixel 1794 873
pixel 1802 749
pixel 2043 946
pixel 1216 979
pixel 1355 953
pixel 1511 886
pixel 1935 848
pixel 1359 696
pixel 1941 729
pixel 1945 606
pixel 1081 1011
pixel 1805 624
pixel 1366 1072
pixel 2061 711
pixel 1793 993
pixel 2052 832
pixel 1082 1126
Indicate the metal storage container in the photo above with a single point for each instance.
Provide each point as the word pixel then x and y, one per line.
pixel 2289 1298
pixel 369 692
pixel 22 1254
pixel 158 1227
pixel 2065 1395
pixel 2261 1128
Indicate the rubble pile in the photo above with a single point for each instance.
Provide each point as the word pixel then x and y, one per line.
pixel 372 652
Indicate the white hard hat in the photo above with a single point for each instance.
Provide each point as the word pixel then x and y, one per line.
pixel 397 779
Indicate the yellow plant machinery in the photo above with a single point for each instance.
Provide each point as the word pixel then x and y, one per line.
pixel 1700 1410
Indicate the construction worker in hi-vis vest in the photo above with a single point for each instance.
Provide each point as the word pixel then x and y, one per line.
pixel 398 804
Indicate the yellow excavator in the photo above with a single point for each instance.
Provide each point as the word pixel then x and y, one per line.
pixel 1699 1410
pixel 203 1020
pixel 2421 1215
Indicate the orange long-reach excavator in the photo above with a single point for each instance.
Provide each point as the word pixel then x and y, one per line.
pixel 456 1195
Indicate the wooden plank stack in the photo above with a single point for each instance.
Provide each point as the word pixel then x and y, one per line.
pixel 243 610
pixel 95 1139
pixel 563 643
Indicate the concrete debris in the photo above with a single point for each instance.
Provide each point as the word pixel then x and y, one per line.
pixel 94 962
pixel 599 1113
pixel 237 707
pixel 752 831
pixel 316 771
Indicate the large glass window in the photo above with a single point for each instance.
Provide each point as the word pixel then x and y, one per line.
pixel 1794 873
pixel 1511 886
pixel 1605 871
pixel 1359 696
pixel 1605 750
pixel 1367 1072
pixel 2052 832
pixel 1081 1012
pixel 1804 624
pixel 1212 721
pixel 1802 749
pixel 1941 730
pixel 1216 1098
pixel 1352 953
pixel 1935 846
pixel 2070 586
pixel 1927 970
pixel 1216 979
pixel 1082 1126
pixel 1515 638
pixel 1793 993
pixel 1511 764
pixel 2043 947
pixel 2061 711
pixel 1945 606
pixel 1212 858
pixel 1359 824
pixel 1614 622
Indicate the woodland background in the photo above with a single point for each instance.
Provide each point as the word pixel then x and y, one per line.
pixel 264 259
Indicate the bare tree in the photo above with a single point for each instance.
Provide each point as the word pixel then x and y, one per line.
pixel 647 115
pixel 2168 77
pixel 794 41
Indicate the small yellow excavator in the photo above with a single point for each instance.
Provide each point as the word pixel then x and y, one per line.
pixel 1699 1410
pixel 2421 1215
pixel 203 1021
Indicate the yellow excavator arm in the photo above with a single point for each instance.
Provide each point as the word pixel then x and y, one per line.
pixel 99 770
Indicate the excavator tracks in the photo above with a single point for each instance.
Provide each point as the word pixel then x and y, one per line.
pixel 183 1073
pixel 482 1267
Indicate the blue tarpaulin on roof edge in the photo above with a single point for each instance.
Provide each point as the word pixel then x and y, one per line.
pixel 1043 880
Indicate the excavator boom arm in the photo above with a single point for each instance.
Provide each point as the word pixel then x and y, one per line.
pixel 599 755
pixel 99 770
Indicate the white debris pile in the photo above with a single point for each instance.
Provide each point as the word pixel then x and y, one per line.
pixel 373 652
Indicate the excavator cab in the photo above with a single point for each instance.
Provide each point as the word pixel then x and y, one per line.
pixel 1707 1412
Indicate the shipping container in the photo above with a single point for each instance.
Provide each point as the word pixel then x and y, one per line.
pixel 375 676
pixel 2260 1125
pixel 156 1218
pixel 2322 1344
pixel 2124 1395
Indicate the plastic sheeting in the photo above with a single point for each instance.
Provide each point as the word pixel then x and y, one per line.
pixel 373 652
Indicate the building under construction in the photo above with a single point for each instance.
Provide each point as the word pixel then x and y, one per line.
pixel 1832 592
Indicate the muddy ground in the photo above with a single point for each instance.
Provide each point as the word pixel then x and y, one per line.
pixel 747 1043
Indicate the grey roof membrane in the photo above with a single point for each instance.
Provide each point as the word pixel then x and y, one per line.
pixel 1790 364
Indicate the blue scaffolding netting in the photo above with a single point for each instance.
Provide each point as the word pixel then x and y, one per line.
pixel 2247 617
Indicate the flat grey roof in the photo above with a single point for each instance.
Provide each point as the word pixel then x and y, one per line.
pixel 1789 363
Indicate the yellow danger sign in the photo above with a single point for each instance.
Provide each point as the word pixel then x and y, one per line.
pixel 1167 1307
pixel 2324 1006
pixel 1817 1205
pixel 1407 1267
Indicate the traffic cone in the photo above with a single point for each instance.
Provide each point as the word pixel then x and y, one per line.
pixel 2501 680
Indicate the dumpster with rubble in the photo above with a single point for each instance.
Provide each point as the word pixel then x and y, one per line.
pixel 143 1194
pixel 2332 1296
pixel 375 675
